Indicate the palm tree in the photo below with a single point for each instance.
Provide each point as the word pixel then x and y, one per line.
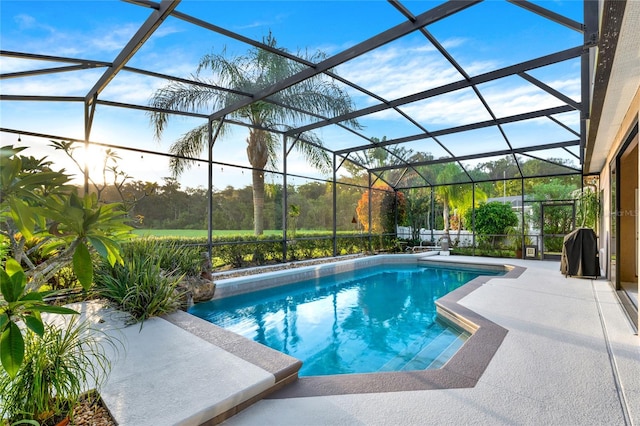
pixel 242 75
pixel 447 193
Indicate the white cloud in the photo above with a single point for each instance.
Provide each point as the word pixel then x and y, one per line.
pixel 453 109
pixel 40 37
pixel 75 83
pixel 25 21
pixel 112 38
pixel 397 71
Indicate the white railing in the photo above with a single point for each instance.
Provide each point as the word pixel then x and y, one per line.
pixel 434 236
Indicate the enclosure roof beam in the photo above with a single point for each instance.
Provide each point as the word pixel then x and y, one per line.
pixel 467 127
pixel 564 98
pixel 544 160
pixel 37 98
pixel 429 17
pixel 561 124
pixel 451 87
pixel 151 109
pixel 407 13
pixel 37 57
pixel 485 155
pixel 492 180
pixel 45 71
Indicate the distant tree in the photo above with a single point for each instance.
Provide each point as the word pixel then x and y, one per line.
pixel 393 207
pixel 449 194
pixel 378 192
pixel 418 211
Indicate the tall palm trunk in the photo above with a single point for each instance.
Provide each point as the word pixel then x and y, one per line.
pixel 445 217
pixel 258 201
pixel 258 155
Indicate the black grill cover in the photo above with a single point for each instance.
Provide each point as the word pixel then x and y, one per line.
pixel 580 254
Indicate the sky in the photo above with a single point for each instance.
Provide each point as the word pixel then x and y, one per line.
pixel 488 36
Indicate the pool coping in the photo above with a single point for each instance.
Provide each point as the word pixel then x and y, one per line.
pixel 282 367
pixel 463 370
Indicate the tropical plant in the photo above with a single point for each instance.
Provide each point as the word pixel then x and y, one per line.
pixel 234 79
pixel 37 204
pixel 19 306
pixel 58 366
pixel 587 207
pixel 518 238
pixel 183 256
pixel 448 193
pixel 140 287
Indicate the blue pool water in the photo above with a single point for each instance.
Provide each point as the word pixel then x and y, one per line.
pixel 381 318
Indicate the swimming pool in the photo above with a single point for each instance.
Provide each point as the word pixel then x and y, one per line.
pixel 380 318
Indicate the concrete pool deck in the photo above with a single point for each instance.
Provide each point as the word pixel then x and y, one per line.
pixel 570 356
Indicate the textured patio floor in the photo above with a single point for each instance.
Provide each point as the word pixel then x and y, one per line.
pixel 570 357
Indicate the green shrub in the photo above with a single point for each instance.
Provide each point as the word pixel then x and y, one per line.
pixel 492 220
pixel 56 368
pixel 184 254
pixel 140 287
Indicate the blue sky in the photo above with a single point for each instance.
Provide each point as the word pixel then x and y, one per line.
pixel 485 37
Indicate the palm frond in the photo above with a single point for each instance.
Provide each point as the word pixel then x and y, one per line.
pixel 317 157
pixel 191 144
pixel 181 97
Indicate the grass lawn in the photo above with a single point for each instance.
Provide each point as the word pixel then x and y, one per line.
pixel 193 233
pixel 190 233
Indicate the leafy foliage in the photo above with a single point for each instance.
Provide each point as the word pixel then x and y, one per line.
pixel 182 256
pixel 494 219
pixel 587 207
pixel 382 209
pixel 418 211
pixel 59 361
pixel 393 208
pixel 18 305
pixel 39 203
pixel 141 286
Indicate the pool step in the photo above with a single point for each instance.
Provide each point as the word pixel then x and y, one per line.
pixel 450 351
pixel 434 353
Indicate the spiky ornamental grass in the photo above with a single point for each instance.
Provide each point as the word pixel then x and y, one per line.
pixel 57 369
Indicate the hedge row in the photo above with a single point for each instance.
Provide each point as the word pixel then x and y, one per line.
pixel 242 251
